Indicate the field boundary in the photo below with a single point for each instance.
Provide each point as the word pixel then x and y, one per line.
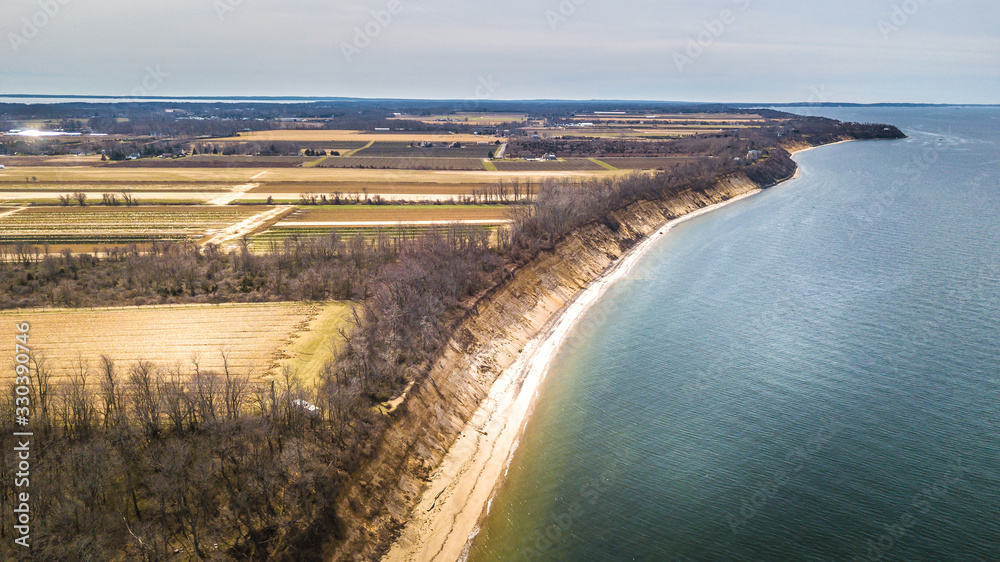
pixel 357 150
pixel 604 165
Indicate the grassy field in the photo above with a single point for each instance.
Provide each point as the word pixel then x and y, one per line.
pixel 118 225
pixel 254 337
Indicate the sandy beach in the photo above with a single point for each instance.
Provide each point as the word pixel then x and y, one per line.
pixel 446 519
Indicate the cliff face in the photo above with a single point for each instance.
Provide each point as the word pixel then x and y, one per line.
pixel 382 494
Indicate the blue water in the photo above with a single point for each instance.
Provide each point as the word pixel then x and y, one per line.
pixel 812 373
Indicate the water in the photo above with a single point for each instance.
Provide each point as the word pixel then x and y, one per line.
pixel 808 374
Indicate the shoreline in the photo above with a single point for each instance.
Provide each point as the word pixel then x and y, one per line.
pixel 460 491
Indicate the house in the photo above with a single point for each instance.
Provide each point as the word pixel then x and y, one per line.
pixel 310 409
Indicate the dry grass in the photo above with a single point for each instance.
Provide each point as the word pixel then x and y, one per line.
pixel 254 337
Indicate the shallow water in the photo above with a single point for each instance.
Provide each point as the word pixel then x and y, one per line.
pixel 808 374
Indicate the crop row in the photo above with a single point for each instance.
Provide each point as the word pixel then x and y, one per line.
pixel 277 235
pixel 404 163
pixel 569 165
pixel 644 163
pixel 439 150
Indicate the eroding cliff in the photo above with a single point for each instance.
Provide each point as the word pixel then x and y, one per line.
pixel 382 494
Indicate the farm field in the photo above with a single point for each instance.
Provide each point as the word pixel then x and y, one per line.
pixel 353 188
pixel 401 213
pixel 119 225
pixel 646 163
pixel 401 149
pixel 403 163
pixel 278 235
pixel 567 165
pixel 63 160
pixel 254 337
pixel 214 161
pixel 384 177
pixel 96 175
pixel 471 118
pixel 333 135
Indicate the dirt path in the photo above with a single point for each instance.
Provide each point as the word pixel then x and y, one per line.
pixel 231 233
pixel 10 212
pixel 237 191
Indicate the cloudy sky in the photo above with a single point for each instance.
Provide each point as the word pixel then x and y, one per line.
pixel 718 50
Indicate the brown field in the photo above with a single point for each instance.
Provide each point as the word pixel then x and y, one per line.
pixel 571 164
pixel 646 163
pixel 328 175
pixel 402 213
pixel 125 175
pixel 330 135
pixel 99 226
pixel 394 163
pixel 65 160
pixel 215 161
pixel 350 188
pixel 254 337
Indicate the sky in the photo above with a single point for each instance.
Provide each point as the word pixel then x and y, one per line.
pixel 762 51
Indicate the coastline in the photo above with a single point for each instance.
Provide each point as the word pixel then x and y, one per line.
pixel 457 498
